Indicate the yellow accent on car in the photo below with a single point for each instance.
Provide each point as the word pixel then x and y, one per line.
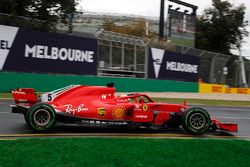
pixel 144 107
pixel 101 112
pixel 119 112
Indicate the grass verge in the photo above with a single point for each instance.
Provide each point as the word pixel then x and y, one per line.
pixel 180 101
pixel 205 102
pixel 5 95
pixel 124 152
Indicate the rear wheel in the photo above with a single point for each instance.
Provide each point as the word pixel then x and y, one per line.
pixel 41 117
pixel 196 121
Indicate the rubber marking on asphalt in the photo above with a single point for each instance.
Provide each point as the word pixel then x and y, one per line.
pixel 228 109
pixel 232 117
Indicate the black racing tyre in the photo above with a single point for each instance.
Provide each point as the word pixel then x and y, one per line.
pixel 196 121
pixel 41 117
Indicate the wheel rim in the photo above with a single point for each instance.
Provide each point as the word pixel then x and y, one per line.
pixel 197 121
pixel 41 117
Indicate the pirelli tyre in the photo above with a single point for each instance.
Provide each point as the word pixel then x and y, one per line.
pixel 41 117
pixel 196 121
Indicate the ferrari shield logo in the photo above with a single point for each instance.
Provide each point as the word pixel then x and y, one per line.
pixel 145 107
pixel 101 112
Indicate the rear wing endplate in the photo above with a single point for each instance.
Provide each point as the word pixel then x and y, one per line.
pixel 24 96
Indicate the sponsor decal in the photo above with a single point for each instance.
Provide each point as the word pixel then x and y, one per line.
pixel 106 96
pixel 122 100
pixel 217 89
pixel 55 53
pixel 157 55
pixel 22 100
pixel 70 109
pixel 145 107
pixel 141 116
pixel 18 92
pixel 101 112
pixel 228 90
pixel 242 90
pixel 119 112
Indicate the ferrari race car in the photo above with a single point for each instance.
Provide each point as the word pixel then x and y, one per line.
pixel 79 104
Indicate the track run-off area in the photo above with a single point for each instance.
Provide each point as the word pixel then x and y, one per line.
pixel 13 126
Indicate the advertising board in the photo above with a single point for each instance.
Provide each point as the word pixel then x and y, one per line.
pixel 172 66
pixel 25 50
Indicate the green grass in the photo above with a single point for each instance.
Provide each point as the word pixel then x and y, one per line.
pixel 182 41
pixel 5 95
pixel 124 152
pixel 205 102
pixel 8 95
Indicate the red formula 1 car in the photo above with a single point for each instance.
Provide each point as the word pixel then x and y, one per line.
pixel 99 105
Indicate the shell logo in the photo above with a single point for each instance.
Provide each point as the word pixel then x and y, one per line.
pixel 119 112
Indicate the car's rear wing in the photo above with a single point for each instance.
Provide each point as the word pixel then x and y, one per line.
pixel 24 96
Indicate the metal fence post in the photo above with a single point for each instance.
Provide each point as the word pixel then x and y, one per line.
pixel 110 54
pixel 211 75
pixel 146 62
pixel 122 63
pixel 135 57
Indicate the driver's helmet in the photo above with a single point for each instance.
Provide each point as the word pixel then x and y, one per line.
pixel 141 100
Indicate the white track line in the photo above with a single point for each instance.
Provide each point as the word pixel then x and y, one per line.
pixel 6 98
pixel 239 118
pixel 226 109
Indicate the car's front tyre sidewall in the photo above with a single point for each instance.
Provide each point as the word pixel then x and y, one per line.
pixel 189 119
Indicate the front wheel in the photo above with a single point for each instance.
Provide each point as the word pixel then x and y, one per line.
pixel 196 121
pixel 41 117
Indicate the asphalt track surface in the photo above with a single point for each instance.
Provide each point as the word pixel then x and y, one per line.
pixel 14 126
